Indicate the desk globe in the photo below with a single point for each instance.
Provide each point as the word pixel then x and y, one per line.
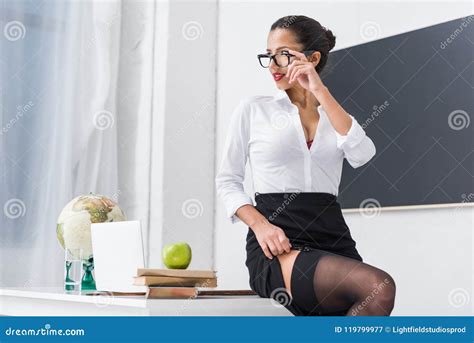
pixel 73 228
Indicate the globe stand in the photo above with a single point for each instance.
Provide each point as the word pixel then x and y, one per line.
pixel 88 282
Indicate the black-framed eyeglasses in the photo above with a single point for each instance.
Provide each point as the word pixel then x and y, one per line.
pixel 281 59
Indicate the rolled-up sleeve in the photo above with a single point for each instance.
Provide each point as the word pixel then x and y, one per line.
pixel 357 146
pixel 231 174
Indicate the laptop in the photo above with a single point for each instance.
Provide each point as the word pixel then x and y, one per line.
pixel 118 252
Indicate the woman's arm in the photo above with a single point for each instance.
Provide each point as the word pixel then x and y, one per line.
pixel 230 177
pixel 351 138
pixel 271 238
pixel 339 118
pixel 229 184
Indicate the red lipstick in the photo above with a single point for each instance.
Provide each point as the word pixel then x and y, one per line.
pixel 277 76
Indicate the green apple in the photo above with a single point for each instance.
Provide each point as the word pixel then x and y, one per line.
pixel 177 255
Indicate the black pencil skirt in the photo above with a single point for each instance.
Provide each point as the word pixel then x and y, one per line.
pixel 314 224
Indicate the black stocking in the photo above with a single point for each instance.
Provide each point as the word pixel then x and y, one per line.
pixel 350 287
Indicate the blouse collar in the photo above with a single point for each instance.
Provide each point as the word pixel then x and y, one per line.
pixel 280 95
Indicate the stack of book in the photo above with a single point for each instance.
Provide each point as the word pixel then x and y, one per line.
pixel 174 283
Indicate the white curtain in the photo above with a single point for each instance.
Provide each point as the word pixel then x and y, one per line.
pixel 75 83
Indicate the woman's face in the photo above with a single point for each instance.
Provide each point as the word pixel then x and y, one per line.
pixel 281 40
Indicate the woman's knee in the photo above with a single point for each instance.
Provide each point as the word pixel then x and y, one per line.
pixel 383 289
pixel 390 287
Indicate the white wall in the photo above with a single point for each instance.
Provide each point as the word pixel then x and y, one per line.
pixel 428 252
pixel 187 159
pixel 182 153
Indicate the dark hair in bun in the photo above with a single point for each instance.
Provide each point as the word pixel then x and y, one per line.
pixel 331 39
pixel 310 33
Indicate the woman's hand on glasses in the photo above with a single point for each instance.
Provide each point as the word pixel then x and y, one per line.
pixel 303 71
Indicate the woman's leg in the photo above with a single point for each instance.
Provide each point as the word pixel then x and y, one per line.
pixel 287 260
pixel 345 285
pixel 342 283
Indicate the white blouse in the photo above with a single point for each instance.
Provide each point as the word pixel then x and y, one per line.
pixel 267 131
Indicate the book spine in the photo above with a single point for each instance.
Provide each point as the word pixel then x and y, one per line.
pixel 171 292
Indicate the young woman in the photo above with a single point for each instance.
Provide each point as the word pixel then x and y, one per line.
pixel 296 141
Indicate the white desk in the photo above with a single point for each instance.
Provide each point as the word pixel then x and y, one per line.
pixel 55 302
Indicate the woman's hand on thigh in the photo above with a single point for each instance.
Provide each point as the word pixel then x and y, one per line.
pixel 272 239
